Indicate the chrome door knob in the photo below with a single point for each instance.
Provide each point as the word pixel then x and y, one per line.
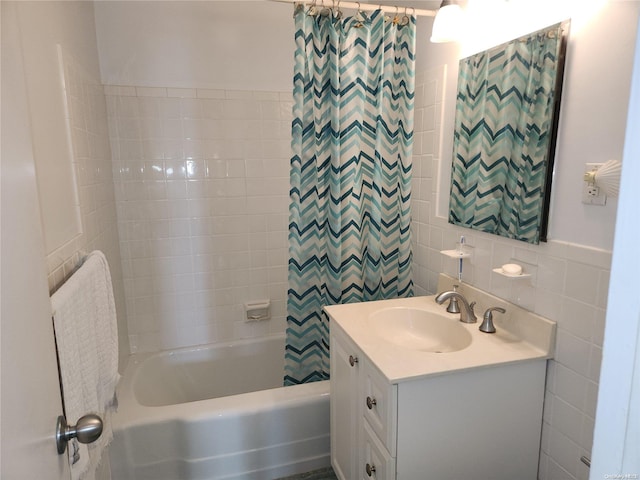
pixel 87 430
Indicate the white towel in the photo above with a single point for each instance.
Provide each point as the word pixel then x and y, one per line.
pixel 84 318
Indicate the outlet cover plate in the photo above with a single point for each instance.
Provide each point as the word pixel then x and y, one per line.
pixel 591 195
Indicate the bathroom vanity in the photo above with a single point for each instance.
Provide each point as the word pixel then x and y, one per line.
pixel 409 402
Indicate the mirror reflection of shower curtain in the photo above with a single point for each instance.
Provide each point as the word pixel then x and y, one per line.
pixel 349 213
pixel 503 126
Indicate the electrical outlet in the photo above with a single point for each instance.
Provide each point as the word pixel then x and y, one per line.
pixel 591 194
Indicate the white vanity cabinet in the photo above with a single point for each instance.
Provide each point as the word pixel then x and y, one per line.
pixel 345 410
pixel 363 409
pixel 477 424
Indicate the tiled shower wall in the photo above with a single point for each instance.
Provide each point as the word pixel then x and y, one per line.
pixel 569 285
pixel 201 180
pixel 91 156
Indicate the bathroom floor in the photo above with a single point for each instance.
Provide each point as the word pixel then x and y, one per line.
pixel 322 474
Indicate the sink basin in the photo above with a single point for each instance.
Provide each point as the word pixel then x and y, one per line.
pixel 419 330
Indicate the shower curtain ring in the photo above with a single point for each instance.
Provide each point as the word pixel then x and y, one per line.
pixel 326 11
pixel 405 19
pixel 312 11
pixel 359 17
pixel 337 12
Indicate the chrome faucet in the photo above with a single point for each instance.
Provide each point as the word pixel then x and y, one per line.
pixel 467 315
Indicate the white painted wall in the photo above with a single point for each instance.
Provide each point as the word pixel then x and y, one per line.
pixel 236 45
pixel 594 99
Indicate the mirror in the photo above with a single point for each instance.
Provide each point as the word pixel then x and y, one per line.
pixel 506 119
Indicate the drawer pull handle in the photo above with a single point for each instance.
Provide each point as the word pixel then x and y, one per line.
pixel 370 469
pixel 371 402
pixel 353 360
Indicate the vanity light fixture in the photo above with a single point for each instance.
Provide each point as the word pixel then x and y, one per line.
pixel 606 177
pixel 446 25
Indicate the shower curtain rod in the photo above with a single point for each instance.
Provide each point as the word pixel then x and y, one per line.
pixel 364 6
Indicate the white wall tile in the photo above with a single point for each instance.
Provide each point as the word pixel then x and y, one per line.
pixel 573 352
pixel 565 453
pixel 149 107
pixel 182 92
pixel 118 90
pixel 556 472
pixel 189 162
pixel 91 147
pixel 209 93
pixel 586 438
pixel 577 318
pixel 567 419
pixel 581 282
pixel 151 92
pixel 570 386
pixel 239 94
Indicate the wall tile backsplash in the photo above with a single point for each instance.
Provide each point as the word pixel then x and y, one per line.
pixel 569 284
pixel 202 181
pixel 89 141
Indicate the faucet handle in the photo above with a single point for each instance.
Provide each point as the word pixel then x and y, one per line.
pixel 453 306
pixel 487 322
pixel 468 315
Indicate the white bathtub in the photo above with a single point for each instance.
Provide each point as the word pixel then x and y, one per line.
pixel 217 412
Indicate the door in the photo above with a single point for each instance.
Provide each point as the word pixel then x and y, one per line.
pixel 30 400
pixel 616 444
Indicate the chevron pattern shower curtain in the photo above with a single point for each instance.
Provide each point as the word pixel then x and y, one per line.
pixel 349 215
pixel 504 114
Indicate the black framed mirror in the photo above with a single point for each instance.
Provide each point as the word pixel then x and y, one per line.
pixel 506 123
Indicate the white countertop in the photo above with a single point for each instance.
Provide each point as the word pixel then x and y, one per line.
pixel 520 336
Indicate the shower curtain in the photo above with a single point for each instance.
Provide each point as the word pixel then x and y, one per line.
pixel 502 132
pixel 349 216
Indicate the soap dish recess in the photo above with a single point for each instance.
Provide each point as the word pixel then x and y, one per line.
pixel 257 310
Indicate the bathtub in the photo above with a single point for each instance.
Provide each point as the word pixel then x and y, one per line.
pixel 217 412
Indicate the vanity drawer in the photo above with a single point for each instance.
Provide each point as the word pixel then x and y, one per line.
pixel 377 462
pixel 379 405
